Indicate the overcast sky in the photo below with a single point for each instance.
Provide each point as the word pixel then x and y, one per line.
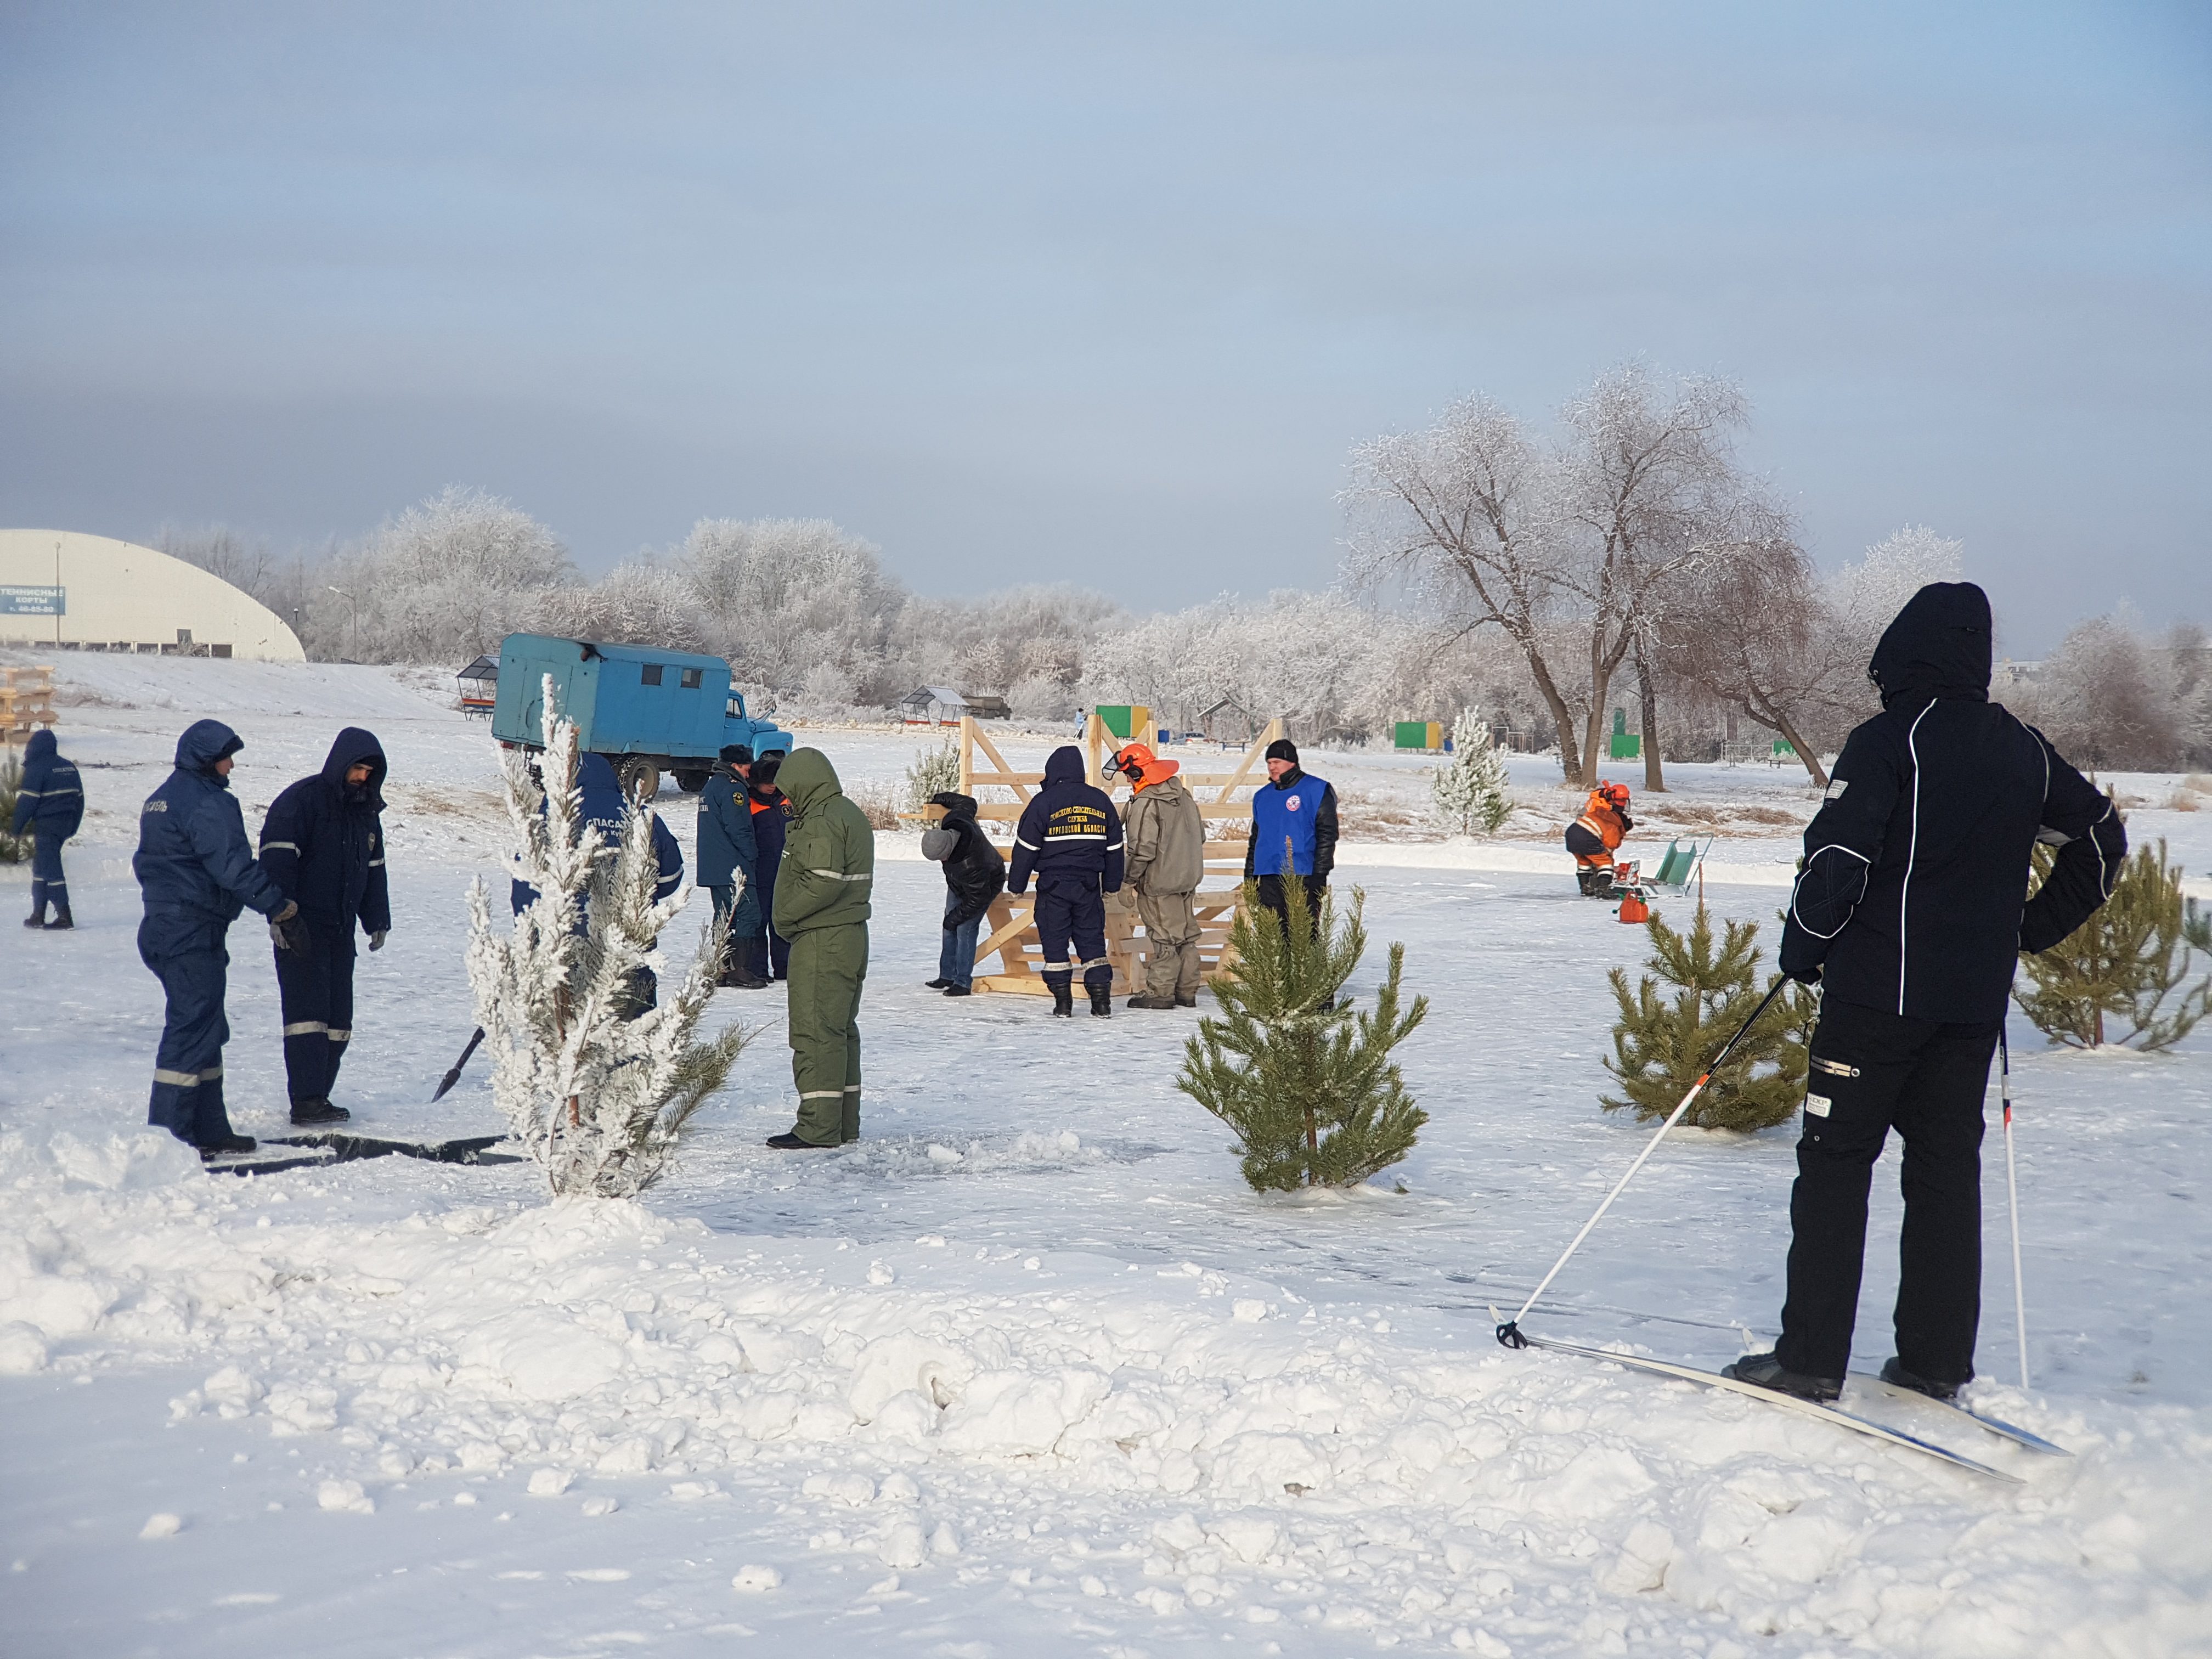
pixel 1104 292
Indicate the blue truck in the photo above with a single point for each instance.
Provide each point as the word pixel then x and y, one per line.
pixel 647 709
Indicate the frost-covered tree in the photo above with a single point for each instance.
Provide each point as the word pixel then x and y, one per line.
pixel 445 579
pixel 1307 1082
pixel 597 1091
pixel 783 598
pixel 934 771
pixel 1473 794
pixel 1569 547
pixel 2107 699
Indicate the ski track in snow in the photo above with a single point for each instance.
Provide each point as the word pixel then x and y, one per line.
pixel 1028 1370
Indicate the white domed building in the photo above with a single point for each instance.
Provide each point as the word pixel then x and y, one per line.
pixel 61 588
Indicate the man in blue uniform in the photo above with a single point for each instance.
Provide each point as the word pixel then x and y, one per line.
pixel 323 842
pixel 729 859
pixel 1293 832
pixel 197 871
pixel 49 804
pixel 1070 838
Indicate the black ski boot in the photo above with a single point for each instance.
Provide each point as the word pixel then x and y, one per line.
pixel 1897 1376
pixel 1767 1372
pixel 62 919
pixel 317 1113
pixel 1102 1000
pixel 1063 996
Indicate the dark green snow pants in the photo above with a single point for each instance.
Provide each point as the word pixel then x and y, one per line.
pixel 827 965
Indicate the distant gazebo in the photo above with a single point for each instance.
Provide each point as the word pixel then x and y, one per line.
pixel 933 705
pixel 479 684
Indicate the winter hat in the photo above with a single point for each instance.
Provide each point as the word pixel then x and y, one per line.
pixel 764 771
pixel 1282 749
pixel 738 754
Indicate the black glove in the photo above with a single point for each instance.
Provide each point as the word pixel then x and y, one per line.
pixel 376 939
pixel 286 930
pixel 1627 823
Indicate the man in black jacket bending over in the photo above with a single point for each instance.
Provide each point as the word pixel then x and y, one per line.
pixel 1909 914
pixel 323 842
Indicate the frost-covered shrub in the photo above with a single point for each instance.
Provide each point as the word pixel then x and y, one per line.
pixel 13 849
pixel 1473 794
pixel 933 771
pixel 597 1091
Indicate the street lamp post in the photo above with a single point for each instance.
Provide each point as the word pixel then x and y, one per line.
pixel 353 619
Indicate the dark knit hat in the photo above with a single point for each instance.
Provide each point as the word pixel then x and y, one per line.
pixel 738 754
pixel 1282 749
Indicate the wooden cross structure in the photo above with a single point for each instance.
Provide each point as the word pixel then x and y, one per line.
pixel 1009 932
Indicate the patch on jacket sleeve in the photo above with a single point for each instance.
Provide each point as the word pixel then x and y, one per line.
pixel 1818 1104
pixel 1836 789
pixel 155 807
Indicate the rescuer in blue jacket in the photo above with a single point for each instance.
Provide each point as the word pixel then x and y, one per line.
pixel 1293 832
pixel 197 871
pixel 49 805
pixel 729 863
pixel 323 842
pixel 1070 838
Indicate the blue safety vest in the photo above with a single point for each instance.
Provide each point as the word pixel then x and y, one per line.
pixel 1280 815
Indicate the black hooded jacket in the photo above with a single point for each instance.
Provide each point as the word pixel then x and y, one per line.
pixel 1912 894
pixel 323 840
pixel 975 874
pixel 1070 835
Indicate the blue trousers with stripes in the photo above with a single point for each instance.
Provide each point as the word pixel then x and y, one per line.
pixel 316 985
pixel 187 956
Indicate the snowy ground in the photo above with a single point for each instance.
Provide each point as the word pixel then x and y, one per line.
pixel 1028 1370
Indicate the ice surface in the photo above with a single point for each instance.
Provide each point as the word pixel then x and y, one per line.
pixel 1027 1370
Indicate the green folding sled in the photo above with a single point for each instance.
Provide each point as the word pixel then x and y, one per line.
pixel 1679 868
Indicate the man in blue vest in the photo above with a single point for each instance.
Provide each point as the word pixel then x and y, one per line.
pixel 1293 832
pixel 1070 837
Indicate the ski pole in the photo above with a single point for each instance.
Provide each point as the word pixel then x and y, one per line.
pixel 2012 1196
pixel 1509 1334
pixel 454 1076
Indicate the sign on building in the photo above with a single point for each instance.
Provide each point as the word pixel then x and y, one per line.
pixel 33 601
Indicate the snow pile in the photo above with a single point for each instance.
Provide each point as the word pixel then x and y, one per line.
pixel 1240 1458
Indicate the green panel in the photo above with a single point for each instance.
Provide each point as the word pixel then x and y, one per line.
pixel 1119 719
pixel 1626 745
pixel 1412 734
pixel 1781 747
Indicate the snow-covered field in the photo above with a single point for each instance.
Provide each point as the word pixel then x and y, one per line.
pixel 1027 1371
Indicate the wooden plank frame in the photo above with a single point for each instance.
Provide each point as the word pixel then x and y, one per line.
pixel 1010 933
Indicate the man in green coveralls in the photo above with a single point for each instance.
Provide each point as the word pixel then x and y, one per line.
pixel 822 906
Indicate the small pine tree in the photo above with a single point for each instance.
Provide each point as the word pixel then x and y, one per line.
pixel 1473 793
pixel 1661 1046
pixel 13 849
pixel 933 771
pixel 1307 1083
pixel 597 1089
pixel 2121 964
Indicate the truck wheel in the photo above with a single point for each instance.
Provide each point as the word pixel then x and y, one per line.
pixel 639 775
pixel 690 781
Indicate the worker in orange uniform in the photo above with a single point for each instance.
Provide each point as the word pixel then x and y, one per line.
pixel 1596 836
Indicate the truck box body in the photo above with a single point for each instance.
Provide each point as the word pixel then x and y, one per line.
pixel 669 709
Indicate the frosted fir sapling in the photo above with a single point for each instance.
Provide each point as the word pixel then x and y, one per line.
pixel 598 1092
pixel 1473 791
pixel 1663 1044
pixel 1306 1082
pixel 2115 972
pixel 934 772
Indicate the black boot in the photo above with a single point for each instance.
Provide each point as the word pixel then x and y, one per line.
pixel 225 1145
pixel 317 1113
pixel 62 919
pixel 1898 1376
pixel 1102 1000
pixel 1765 1371
pixel 1063 995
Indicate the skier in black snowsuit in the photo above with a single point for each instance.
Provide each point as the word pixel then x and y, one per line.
pixel 1070 838
pixel 323 841
pixel 1908 912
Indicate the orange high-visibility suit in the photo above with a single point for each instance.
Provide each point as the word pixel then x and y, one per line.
pixel 1596 836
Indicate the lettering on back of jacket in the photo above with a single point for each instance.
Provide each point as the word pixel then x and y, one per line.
pixel 1076 823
